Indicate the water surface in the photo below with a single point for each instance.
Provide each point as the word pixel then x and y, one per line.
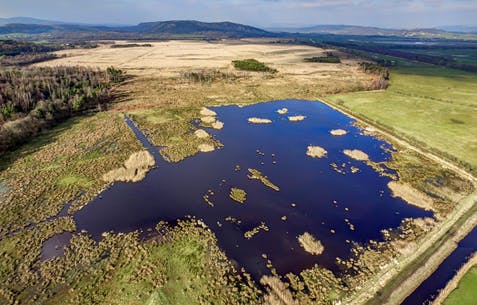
pixel 430 288
pixel 323 197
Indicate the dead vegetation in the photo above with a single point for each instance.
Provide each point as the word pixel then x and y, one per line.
pixel 251 233
pixel 296 118
pixel 259 121
pixel 255 174
pixel 411 195
pixel 206 148
pixel 238 195
pixel 135 168
pixel 356 154
pixel 310 244
pixel 338 132
pixel 316 151
pixel 278 292
pixel 201 134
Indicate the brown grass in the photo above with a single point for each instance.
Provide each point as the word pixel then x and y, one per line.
pixel 200 133
pixel 310 244
pixel 316 152
pixel 296 118
pixel 278 293
pixel 208 119
pixel 255 174
pixel 338 132
pixel 356 154
pixel 218 125
pixel 135 168
pixel 206 148
pixel 259 121
pixel 238 195
pixel 411 195
pixel 207 112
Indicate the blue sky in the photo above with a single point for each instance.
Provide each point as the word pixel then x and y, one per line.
pixel 263 13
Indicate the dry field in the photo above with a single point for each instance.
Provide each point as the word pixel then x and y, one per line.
pixel 171 57
pixel 158 71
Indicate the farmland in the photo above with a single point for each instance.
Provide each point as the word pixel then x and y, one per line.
pixel 430 105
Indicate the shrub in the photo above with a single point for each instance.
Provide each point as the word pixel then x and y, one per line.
pixel 115 75
pixel 252 65
pixel 329 58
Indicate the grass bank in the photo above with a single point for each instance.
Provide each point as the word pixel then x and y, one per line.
pixel 461 289
pixel 465 293
pixel 433 107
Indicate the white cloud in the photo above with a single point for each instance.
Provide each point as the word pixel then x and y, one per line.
pixel 392 13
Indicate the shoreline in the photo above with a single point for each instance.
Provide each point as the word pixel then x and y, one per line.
pixel 388 277
pixel 454 282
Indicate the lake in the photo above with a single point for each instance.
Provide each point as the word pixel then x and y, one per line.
pixel 313 196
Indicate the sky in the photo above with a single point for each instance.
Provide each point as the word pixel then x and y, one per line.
pixel 262 13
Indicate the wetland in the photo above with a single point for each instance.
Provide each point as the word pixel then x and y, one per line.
pixel 307 194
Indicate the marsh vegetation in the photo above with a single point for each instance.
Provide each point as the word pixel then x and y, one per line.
pixel 310 244
pixel 316 151
pixel 238 195
pixel 255 174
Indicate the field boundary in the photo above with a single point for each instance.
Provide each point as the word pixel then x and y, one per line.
pixel 403 140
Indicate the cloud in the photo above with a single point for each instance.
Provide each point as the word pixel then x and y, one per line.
pixel 391 13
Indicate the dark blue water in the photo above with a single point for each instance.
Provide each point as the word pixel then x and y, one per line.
pixel 430 288
pixel 323 197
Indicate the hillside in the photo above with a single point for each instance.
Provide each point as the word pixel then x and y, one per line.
pixel 164 28
pixel 28 20
pixel 370 31
pixel 197 27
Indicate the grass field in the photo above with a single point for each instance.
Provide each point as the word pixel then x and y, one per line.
pixel 460 55
pixel 466 292
pixel 433 105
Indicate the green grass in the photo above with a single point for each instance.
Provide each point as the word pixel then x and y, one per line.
pixel 74 180
pixel 182 266
pixel 466 292
pixel 252 65
pixel 433 105
pixel 460 55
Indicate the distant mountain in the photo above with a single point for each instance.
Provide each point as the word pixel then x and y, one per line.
pixel 460 28
pixel 28 20
pixel 366 31
pixel 163 28
pixel 21 28
pixel 198 27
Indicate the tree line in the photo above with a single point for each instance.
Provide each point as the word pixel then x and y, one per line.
pixel 33 99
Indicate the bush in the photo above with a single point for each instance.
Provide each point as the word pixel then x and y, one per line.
pixel 115 75
pixel 329 58
pixel 252 65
